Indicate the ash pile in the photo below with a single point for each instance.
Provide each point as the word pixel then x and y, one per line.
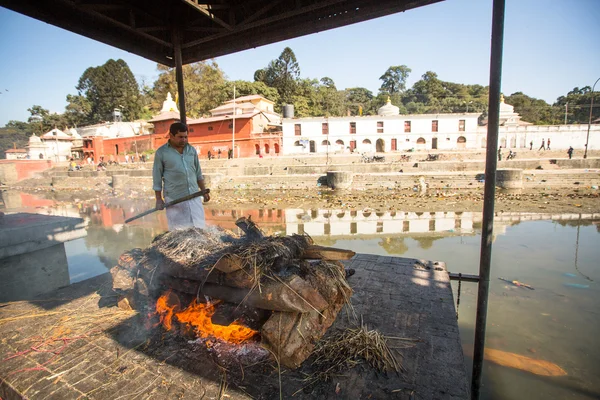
pixel 277 293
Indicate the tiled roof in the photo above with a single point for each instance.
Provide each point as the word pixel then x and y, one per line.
pixel 166 116
pixel 220 118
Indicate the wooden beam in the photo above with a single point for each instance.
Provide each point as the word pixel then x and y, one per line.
pixel 327 253
pixel 229 263
pixel 152 28
pixel 207 29
pixel 261 11
pixel 265 21
pixel 296 27
pixel 122 25
pixel 209 14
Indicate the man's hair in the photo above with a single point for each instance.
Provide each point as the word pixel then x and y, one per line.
pixel 178 127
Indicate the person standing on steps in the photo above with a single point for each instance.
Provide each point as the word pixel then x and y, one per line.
pixel 531 145
pixel 543 146
pixel 500 153
pixel 570 152
pixel 176 173
pixel 548 147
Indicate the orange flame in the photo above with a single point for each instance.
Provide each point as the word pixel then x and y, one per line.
pixel 199 316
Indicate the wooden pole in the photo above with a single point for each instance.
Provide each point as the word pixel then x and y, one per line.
pixel 176 34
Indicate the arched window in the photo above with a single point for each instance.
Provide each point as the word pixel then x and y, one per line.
pixel 257 148
pixel 266 148
pixel 461 142
pixel 340 142
pixel 276 146
pixel 366 141
pixel 325 143
pixel 297 143
pixel 420 140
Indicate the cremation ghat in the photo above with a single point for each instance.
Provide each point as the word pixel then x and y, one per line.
pixel 251 296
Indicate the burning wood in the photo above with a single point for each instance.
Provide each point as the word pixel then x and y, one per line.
pixel 253 279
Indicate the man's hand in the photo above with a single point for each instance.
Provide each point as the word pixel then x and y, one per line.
pixel 206 197
pixel 160 204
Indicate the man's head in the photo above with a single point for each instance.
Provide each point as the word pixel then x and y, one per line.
pixel 178 134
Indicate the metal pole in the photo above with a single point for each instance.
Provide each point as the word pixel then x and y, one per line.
pixel 179 71
pixel 587 139
pixel 489 193
pixel 233 126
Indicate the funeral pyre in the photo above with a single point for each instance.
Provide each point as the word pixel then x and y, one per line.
pixel 279 293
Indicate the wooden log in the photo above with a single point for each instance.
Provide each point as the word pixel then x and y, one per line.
pixel 122 278
pixel 327 253
pixel 253 318
pixel 294 296
pixel 293 336
pixel 229 263
pixel 251 230
pixel 158 270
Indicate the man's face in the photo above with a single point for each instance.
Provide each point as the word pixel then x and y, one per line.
pixel 180 139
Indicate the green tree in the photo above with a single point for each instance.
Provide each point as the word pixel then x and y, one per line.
pixel 15 134
pixel 204 83
pixel 532 110
pixel 358 99
pixel 78 110
pixel 48 120
pixel 245 88
pixel 107 87
pixel 282 74
pixel 394 79
pixel 330 100
pixel 579 100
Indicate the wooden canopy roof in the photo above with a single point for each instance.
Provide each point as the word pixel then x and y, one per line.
pixel 205 29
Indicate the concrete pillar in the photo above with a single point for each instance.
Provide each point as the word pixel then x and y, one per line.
pixel 119 181
pixel 509 178
pixel 339 179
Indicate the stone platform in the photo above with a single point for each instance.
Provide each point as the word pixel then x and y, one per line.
pixel 74 343
pixel 22 233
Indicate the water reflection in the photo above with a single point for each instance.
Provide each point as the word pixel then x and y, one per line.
pixel 555 253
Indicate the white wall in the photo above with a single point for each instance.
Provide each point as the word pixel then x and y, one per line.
pixel 367 129
pixel 561 136
pixel 514 137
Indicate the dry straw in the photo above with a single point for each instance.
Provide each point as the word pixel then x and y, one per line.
pixel 348 348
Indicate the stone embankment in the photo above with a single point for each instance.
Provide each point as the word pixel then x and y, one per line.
pixel 454 171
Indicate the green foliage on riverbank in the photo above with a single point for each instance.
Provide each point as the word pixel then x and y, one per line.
pixel 12 138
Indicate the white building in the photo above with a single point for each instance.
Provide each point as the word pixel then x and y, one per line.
pixel 116 129
pixel 389 131
pixel 58 145
pixel 37 150
pixel 16 154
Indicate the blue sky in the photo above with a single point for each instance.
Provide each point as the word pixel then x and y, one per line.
pixel 550 47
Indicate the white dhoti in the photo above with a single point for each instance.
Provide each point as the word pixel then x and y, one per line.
pixel 188 214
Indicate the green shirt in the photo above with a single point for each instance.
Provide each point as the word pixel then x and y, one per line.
pixel 179 172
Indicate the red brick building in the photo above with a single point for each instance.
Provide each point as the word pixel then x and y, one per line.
pixel 257 128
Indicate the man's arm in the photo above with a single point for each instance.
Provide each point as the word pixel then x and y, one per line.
pixel 157 183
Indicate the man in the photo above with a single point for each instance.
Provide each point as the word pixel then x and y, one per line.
pixel 548 146
pixel 543 146
pixel 531 145
pixel 570 152
pixel 500 153
pixel 177 169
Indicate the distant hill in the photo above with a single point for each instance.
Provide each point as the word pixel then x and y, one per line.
pixel 9 137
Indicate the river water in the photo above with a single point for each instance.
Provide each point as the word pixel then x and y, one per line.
pixel 556 254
